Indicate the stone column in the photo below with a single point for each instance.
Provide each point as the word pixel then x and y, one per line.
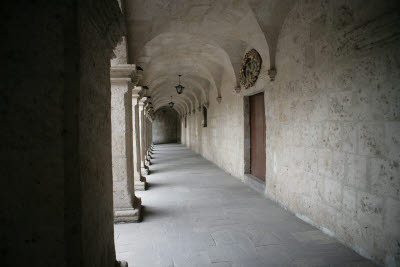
pixel 140 181
pixel 149 135
pixel 145 126
pixel 147 130
pixel 126 205
pixel 144 168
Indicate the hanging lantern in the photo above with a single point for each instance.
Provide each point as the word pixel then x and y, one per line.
pixel 171 104
pixel 179 87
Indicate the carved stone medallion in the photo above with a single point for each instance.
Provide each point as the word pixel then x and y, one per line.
pixel 251 66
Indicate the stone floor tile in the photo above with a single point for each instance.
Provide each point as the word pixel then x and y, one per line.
pixel 195 214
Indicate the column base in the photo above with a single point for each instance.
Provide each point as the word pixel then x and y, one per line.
pixel 140 185
pixel 121 264
pixel 144 168
pixel 127 215
pixel 148 163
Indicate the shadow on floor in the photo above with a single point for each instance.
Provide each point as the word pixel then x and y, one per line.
pixel 150 213
pixel 153 185
pixel 195 214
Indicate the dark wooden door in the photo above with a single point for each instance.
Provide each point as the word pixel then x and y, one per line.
pixel 257 136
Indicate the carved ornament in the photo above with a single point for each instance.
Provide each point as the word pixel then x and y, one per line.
pixel 251 66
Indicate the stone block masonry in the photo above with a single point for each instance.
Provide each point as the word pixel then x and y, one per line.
pixel 332 123
pixel 56 133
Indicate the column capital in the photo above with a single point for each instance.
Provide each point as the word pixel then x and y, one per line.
pixel 147 111
pixel 136 79
pixel 135 91
pixel 122 72
pixel 148 102
pixel 142 101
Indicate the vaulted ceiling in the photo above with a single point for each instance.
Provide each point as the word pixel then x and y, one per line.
pixel 204 40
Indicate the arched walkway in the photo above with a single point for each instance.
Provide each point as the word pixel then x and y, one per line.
pixel 198 215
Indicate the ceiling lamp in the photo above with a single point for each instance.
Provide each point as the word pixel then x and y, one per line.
pixel 179 87
pixel 171 104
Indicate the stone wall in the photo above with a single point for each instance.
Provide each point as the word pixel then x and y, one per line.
pixel 56 154
pixel 99 34
pixel 332 123
pixel 222 140
pixel 32 115
pixel 165 126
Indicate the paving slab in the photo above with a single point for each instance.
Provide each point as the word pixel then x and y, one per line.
pixel 195 214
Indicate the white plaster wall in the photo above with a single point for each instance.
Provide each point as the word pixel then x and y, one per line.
pixel 332 123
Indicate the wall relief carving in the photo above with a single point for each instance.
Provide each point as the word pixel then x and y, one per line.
pixel 251 66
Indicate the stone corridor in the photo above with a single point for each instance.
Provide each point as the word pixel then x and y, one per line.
pixel 200 133
pixel 195 214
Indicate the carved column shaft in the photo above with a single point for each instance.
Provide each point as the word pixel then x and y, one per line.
pixel 150 136
pixel 145 131
pixel 143 165
pixel 126 204
pixel 140 181
pixel 148 133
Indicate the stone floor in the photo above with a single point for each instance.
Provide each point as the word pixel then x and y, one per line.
pixel 198 215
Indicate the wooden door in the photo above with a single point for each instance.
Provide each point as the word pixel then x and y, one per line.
pixel 257 136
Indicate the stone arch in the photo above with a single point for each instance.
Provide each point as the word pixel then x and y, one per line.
pixel 171 53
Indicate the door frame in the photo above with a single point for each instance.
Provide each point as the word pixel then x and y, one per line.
pixel 249 179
